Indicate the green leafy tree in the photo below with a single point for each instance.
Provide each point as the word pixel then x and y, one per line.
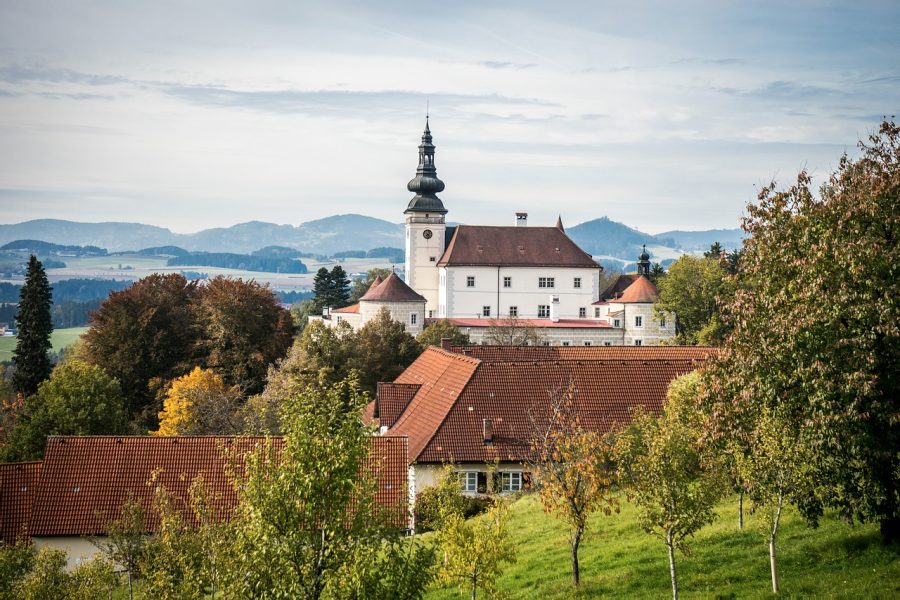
pixel 657 272
pixel 691 290
pixel 674 487
pixel 475 549
pixel 774 470
pixel 573 466
pixel 243 330
pixel 305 512
pixel 361 286
pixel 382 349
pixel 31 355
pixel 78 399
pixel 48 578
pixel 16 561
pixel 817 330
pixel 126 540
pixel 433 334
pixel 145 336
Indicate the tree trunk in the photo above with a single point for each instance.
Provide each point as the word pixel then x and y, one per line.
pixel 773 563
pixel 741 509
pixel 576 541
pixel 474 585
pixel 670 544
pixel 130 587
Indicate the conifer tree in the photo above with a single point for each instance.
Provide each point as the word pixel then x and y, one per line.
pixel 35 326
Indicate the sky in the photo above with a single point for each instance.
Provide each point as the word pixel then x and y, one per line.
pixel 661 115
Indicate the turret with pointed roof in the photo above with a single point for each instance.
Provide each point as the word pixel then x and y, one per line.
pixel 643 263
pixel 426 183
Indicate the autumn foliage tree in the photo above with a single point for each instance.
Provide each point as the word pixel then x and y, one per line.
pixel 573 466
pixel 817 330
pixel 200 403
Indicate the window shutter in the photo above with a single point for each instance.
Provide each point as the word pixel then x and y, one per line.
pixel 526 480
pixel 482 482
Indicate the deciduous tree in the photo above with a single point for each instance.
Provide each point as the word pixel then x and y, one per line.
pixel 200 403
pixel 382 350
pixel 691 290
pixel 512 331
pixel 433 334
pixel 31 355
pixel 573 466
pixel 361 286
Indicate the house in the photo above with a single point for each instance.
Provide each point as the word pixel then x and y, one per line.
pixel 83 481
pixel 537 277
pixel 469 405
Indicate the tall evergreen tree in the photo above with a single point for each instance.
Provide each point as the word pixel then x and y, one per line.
pixel 35 326
pixel 340 287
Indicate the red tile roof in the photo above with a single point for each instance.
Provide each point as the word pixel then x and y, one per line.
pixel 352 309
pixel 543 323
pixel 392 399
pixel 85 480
pixel 17 485
pixel 444 421
pixel 618 287
pixel 477 245
pixel 642 290
pixel 392 289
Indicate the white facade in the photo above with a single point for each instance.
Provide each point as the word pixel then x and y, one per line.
pixel 410 314
pixel 425 239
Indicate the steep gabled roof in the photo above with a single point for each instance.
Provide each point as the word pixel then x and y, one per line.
pixel 477 245
pixel 617 287
pixel 442 376
pixel 641 291
pixel 445 420
pixel 392 289
pixel 85 480
pixel 392 399
pixel 352 309
pixel 17 484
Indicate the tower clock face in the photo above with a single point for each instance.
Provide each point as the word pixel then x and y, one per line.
pixel 427 234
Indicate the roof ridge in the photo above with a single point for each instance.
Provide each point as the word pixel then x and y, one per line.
pixel 463 357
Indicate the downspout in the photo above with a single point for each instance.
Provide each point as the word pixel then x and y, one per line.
pixel 498 292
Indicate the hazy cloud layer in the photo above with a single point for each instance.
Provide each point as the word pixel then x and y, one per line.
pixel 202 114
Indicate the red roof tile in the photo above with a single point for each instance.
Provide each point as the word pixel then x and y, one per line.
pixel 352 309
pixel 618 287
pixel 392 289
pixel 392 399
pixel 477 245
pixel 642 290
pixel 444 421
pixel 17 485
pixel 85 480
pixel 564 323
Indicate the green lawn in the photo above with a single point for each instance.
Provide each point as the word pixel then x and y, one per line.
pixel 619 560
pixel 60 339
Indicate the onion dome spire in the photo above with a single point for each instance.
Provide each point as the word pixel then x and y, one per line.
pixel 426 183
pixel 643 263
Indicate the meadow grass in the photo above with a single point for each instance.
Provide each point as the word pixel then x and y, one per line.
pixel 60 338
pixel 619 560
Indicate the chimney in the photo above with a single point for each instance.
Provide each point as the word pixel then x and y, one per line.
pixel 446 343
pixel 521 219
pixel 488 430
pixel 554 309
pixel 326 312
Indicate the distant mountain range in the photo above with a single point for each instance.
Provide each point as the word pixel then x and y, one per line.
pixel 600 237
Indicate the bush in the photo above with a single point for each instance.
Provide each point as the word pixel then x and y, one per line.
pixel 430 500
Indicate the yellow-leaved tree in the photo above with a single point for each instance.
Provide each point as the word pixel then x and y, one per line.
pixel 200 403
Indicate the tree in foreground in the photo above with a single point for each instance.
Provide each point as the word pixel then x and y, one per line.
pixel 125 540
pixel 475 549
pixel 573 466
pixel 200 403
pixel 441 330
pixel 31 355
pixel 78 399
pixel 691 290
pixel 671 483
pixel 382 350
pixel 817 329
pixel 48 578
pixel 306 513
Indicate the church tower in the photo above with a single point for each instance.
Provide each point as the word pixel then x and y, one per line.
pixel 643 263
pixel 425 226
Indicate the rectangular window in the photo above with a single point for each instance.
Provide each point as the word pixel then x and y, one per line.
pixel 432 259
pixel 545 343
pixel 430 314
pixel 662 322
pixel 616 323
pixel 543 311
pixel 507 282
pixel 546 282
pixel 413 317
pixel 514 311
pixel 587 343
pixel 639 321
pixel 582 312
pixel 637 342
pixel 566 343
pixel 470 281
pixel 511 481
pixel 468 481
pixel 485 311
pixel 340 318
pixel 597 312
pixel 577 283
pixel 607 343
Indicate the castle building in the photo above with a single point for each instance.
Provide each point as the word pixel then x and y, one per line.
pixel 481 277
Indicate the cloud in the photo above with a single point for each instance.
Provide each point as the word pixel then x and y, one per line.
pixel 21 74
pixel 494 64
pixel 335 102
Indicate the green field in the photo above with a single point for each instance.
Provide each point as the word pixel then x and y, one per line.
pixel 619 560
pixel 60 339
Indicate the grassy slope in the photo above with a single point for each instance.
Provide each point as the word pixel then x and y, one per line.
pixel 60 339
pixel 619 560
